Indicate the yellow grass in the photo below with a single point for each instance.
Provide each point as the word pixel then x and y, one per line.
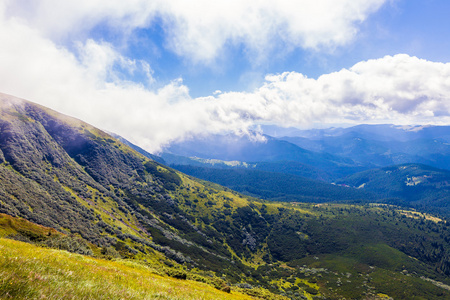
pixel 31 272
pixel 419 215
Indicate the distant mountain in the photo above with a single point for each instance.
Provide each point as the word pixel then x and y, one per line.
pixel 277 131
pixel 372 153
pixel 383 132
pixel 202 151
pixel 333 152
pixel 415 185
pixel 381 145
pixel 231 147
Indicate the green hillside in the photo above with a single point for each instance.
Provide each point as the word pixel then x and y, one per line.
pixel 108 201
pixel 275 186
pixel 333 250
pixel 413 185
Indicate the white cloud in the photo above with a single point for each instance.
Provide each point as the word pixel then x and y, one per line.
pixel 199 30
pixel 397 89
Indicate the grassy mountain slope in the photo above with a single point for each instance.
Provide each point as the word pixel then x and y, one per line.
pixel 22 264
pixel 62 173
pixel 330 250
pixel 31 272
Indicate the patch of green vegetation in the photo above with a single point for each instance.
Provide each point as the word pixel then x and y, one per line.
pixel 169 177
pixel 275 186
pixel 11 227
pixel 20 116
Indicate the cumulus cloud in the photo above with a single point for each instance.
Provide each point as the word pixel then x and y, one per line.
pixel 396 89
pixel 85 82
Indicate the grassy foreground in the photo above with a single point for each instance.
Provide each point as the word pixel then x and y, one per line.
pixel 31 272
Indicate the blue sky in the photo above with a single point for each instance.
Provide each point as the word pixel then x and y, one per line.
pixel 418 28
pixel 158 71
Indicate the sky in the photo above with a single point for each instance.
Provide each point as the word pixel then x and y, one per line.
pixel 166 70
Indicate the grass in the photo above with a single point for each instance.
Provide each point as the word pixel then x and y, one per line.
pixel 31 272
pixel 11 226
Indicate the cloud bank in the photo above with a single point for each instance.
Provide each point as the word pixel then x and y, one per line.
pixel 88 81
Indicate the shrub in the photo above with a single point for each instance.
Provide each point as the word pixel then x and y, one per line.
pixel 69 243
pixel 110 252
pixel 176 273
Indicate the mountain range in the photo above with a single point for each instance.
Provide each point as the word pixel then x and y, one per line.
pixel 68 185
pixel 381 145
pixel 336 151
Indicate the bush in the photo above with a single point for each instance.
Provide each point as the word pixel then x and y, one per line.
pixel 69 243
pixel 311 290
pixel 175 273
pixel 168 177
pixel 110 252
